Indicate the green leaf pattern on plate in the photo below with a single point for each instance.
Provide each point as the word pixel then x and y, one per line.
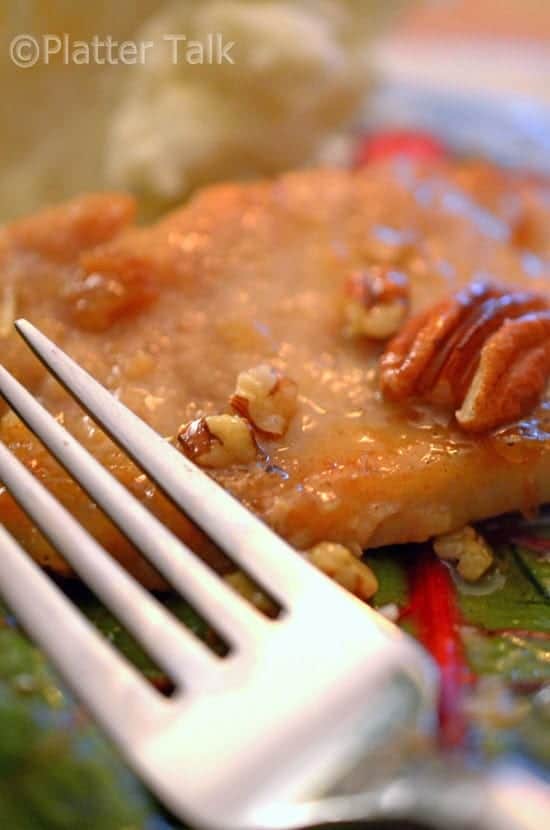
pixel 58 772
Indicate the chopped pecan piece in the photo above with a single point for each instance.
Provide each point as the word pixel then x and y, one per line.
pixel 218 441
pixel 249 590
pixel 266 398
pixel 484 352
pixel 468 549
pixel 344 567
pixel 377 302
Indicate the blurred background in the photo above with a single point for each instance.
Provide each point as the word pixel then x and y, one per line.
pixel 307 75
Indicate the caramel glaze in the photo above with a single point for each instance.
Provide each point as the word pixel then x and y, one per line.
pixel 167 316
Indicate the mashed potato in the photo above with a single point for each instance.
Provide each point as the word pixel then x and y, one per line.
pixel 299 74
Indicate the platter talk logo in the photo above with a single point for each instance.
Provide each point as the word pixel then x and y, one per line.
pixel 27 50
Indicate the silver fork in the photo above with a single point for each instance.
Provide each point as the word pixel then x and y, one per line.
pixel 250 739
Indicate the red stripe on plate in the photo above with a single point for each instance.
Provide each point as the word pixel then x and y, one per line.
pixel 434 611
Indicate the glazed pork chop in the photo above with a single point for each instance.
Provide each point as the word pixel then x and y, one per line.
pixel 246 291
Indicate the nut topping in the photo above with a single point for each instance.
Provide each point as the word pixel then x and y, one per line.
pixel 249 590
pixel 218 441
pixel 468 549
pixel 485 353
pixel 266 398
pixel 377 302
pixel 348 570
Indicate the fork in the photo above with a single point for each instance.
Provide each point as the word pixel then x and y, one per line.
pixel 262 736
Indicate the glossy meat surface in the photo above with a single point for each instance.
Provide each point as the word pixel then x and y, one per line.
pixel 168 316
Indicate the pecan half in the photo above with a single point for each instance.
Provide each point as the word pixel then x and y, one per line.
pixel 484 352
pixel 377 302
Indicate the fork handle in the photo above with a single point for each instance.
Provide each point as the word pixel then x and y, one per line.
pixel 507 798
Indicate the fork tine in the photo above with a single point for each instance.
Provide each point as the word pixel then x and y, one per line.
pixel 167 641
pixel 227 611
pixel 111 688
pixel 250 542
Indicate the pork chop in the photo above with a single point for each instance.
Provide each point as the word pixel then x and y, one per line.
pixel 250 274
